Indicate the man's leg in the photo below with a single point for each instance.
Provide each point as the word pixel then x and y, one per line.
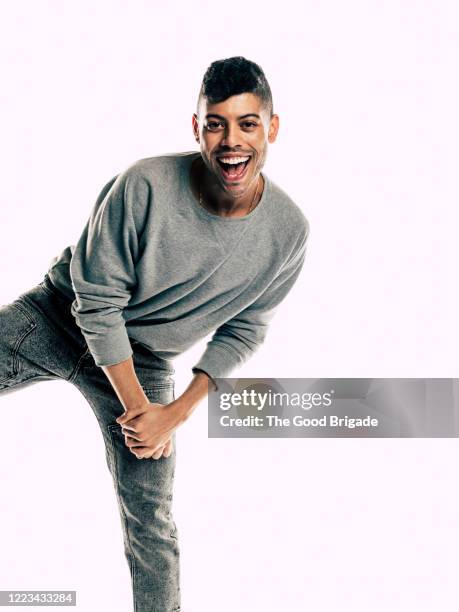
pixel 143 487
pixel 39 340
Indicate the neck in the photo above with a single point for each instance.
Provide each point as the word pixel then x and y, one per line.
pixel 207 189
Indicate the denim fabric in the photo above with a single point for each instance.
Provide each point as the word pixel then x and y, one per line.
pixel 40 340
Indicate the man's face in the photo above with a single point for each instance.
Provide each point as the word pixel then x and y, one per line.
pixel 234 136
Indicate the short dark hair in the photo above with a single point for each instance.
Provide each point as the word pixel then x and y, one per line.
pixel 234 76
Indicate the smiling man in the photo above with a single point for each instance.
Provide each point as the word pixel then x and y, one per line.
pixel 234 131
pixel 176 247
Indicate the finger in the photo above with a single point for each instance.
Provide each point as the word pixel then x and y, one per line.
pixel 127 416
pixel 168 449
pixel 133 443
pixel 131 426
pixel 131 434
pixel 141 452
pixel 158 453
pixel 132 415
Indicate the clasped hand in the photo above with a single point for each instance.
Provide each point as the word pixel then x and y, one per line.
pixel 148 430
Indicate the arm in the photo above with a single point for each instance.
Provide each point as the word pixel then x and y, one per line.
pixel 124 380
pixel 148 428
pixel 103 277
pixel 102 267
pixel 237 339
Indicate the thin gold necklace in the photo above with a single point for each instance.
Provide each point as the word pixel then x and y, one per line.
pixel 251 205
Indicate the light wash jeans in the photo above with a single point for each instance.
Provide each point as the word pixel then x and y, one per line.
pixel 40 340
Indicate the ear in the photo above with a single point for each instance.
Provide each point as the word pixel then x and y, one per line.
pixel 273 128
pixel 195 127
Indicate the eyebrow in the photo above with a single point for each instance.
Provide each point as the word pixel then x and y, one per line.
pixel 241 117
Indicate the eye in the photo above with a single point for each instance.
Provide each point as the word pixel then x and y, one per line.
pixel 248 125
pixel 214 125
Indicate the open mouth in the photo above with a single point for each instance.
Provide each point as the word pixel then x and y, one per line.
pixel 233 168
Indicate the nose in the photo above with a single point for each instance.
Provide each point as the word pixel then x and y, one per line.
pixel 230 136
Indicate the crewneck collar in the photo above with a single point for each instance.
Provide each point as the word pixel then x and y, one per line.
pixel 189 158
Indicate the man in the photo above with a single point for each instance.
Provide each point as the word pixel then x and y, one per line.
pixel 176 246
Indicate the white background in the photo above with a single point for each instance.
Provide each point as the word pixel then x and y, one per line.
pixel 367 95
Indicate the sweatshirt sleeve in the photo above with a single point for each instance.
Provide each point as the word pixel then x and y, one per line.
pixel 102 269
pixel 237 339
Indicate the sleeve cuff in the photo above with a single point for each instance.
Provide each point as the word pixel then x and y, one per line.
pixel 195 370
pixel 111 348
pixel 217 362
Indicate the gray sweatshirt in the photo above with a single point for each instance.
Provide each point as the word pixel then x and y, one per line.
pixel 155 266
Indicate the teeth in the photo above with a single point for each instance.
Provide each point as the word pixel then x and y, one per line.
pixel 233 160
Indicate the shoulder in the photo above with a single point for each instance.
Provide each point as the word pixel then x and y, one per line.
pixel 287 214
pixel 139 183
pixel 133 189
pixel 157 169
